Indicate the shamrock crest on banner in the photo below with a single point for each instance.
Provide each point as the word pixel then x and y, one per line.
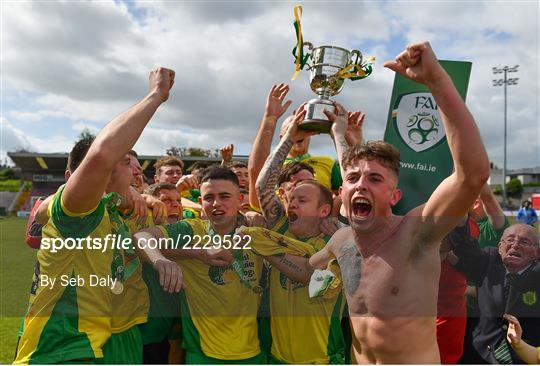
pixel 417 121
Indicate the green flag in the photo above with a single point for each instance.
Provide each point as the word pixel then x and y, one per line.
pixel 415 128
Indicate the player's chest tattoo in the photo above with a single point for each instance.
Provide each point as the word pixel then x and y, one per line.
pixel 349 260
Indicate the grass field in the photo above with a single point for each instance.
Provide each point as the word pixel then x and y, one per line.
pixel 16 269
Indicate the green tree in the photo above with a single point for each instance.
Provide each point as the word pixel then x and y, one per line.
pixel 514 187
pixel 176 151
pixel 7 173
pixel 86 134
pixel 192 151
pixel 196 151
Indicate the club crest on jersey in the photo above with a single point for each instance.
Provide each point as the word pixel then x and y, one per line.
pixel 529 298
pixel 221 275
pixel 417 122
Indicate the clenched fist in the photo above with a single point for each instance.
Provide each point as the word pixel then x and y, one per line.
pixel 160 82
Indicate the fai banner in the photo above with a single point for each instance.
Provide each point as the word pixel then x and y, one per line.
pixel 415 128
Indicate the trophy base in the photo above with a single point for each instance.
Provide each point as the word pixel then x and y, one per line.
pixel 315 118
pixel 315 125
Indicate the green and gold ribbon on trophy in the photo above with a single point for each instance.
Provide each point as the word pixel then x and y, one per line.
pixel 329 67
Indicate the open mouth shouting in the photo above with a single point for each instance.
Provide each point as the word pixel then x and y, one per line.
pixel 293 217
pixel 361 208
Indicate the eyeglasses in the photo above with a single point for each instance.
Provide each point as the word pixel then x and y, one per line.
pixel 521 241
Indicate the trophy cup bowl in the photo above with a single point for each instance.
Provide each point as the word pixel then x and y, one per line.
pixel 325 63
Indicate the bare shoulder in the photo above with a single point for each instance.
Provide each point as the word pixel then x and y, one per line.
pixel 342 233
pixel 340 238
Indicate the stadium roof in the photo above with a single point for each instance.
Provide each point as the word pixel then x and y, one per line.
pixel 41 163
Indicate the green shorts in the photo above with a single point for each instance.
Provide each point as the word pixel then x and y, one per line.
pixel 196 358
pixel 124 348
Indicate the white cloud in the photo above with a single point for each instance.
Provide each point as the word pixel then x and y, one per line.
pixel 25 116
pixel 16 139
pixel 86 62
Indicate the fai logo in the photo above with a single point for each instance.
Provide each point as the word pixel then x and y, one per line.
pixel 417 121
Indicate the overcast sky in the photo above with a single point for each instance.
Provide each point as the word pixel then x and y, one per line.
pixel 67 66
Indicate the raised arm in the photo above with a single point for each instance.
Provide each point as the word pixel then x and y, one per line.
pixel 271 206
pixel 471 260
pixel 471 164
pixel 274 109
pixel 87 184
pixel 346 130
pixel 226 153
pixel 493 210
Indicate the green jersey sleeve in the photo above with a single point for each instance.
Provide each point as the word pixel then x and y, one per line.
pixel 336 178
pixel 72 225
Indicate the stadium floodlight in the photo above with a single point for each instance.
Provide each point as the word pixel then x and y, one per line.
pixel 498 82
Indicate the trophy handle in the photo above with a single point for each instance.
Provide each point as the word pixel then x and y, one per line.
pixel 358 60
pixel 308 44
pixel 309 47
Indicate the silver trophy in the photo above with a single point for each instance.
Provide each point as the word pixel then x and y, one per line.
pixel 326 65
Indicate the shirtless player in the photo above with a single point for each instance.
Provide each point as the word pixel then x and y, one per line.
pixel 390 264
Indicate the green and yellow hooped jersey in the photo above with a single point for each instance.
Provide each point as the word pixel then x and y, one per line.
pixel 70 319
pixel 219 304
pixel 304 330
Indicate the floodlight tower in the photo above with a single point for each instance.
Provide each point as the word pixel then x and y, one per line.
pixel 498 82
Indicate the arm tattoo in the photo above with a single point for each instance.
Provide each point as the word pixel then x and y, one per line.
pixel 349 262
pixel 341 147
pixel 270 204
pixel 290 265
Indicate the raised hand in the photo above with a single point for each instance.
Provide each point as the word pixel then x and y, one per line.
pixel 159 210
pixel 160 82
pixel 139 207
pixel 355 133
pixel 418 63
pixel 274 102
pixel 227 153
pixel 514 330
pixel 187 182
pixel 338 119
pixel 293 132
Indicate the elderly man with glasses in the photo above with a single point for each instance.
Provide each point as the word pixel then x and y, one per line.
pixel 508 282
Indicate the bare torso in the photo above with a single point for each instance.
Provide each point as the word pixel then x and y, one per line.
pixel 392 296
